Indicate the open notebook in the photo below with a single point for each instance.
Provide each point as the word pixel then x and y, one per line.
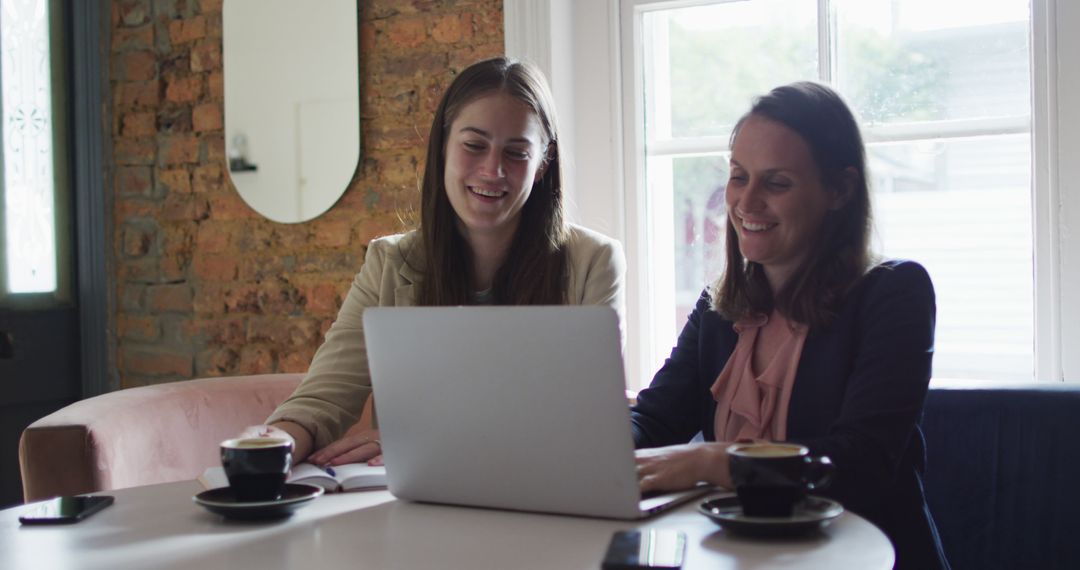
pixel 351 477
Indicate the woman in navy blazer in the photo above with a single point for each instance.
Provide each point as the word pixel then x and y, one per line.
pixel 798 252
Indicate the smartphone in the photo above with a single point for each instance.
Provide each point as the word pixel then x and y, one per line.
pixel 65 510
pixel 645 549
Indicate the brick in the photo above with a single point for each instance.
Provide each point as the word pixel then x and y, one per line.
pixel 397 168
pixel 173 326
pixel 331 233
pixel 134 180
pixel 207 178
pixel 407 32
pixel 215 86
pixel 156 362
pixel 229 206
pixel 131 297
pixel 129 39
pixel 138 328
pixel 206 55
pixel 138 240
pixel 134 151
pixel 173 119
pixel 131 14
pixel 183 89
pixel 409 66
pixel 296 361
pixel 277 298
pixel 452 28
pixel 218 362
pixel 178 239
pixel 174 181
pixel 256 359
pixel 140 124
pixel 262 267
pixel 184 208
pixel 281 331
pixel 132 208
pixel 214 237
pixel 136 94
pixel 141 270
pixel 175 149
pixel 322 299
pixel 392 137
pixel 134 66
pixel 214 26
pixel 213 149
pixel 215 267
pixel 367 37
pixel 220 331
pixel 242 299
pixel 171 298
pixel 207 117
pixel 210 6
pixel 174 267
pixel 174 63
pixel 185 31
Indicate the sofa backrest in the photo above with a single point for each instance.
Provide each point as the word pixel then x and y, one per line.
pixel 141 436
pixel 1003 475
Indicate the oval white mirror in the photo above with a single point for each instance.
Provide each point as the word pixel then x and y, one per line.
pixel 292 103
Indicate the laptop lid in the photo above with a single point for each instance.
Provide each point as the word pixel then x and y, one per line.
pixel 519 408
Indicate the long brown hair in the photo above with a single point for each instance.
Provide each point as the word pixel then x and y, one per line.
pixel 842 254
pixel 535 267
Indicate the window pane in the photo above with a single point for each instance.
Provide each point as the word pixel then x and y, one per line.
pixel 699 224
pixel 919 60
pixel 963 210
pixel 28 147
pixel 720 56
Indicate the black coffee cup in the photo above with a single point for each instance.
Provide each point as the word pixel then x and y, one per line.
pixel 257 466
pixel 771 478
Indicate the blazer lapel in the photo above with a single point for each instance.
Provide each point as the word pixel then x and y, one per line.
pixel 405 294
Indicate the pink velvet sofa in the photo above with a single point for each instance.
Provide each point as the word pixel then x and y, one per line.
pixel 140 436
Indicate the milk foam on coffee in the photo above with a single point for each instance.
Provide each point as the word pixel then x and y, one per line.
pixel 255 442
pixel 769 450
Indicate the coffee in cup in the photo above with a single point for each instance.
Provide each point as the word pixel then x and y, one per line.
pixel 257 466
pixel 770 478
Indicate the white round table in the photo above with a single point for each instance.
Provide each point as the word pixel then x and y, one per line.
pixel 160 527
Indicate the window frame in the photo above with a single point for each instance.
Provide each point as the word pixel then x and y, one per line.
pixel 601 84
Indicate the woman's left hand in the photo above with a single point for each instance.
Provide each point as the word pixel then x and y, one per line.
pixel 683 466
pixel 354 447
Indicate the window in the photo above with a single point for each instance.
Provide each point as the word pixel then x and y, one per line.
pixel 942 91
pixel 32 209
pixel 594 54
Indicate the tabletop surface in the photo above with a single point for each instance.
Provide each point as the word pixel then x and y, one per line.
pixel 159 526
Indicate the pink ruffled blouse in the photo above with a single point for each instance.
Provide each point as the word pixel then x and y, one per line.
pixel 754 405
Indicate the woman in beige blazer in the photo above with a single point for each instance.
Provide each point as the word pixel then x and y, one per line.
pixel 492 231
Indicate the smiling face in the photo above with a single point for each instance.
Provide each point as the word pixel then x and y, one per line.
pixel 494 153
pixel 775 197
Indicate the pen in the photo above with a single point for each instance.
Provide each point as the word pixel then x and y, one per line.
pixel 329 470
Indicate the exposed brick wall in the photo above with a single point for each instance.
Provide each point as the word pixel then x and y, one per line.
pixel 205 286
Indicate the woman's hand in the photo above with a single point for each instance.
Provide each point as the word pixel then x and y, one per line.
pixel 354 447
pixel 682 466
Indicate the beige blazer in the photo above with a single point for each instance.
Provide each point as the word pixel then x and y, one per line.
pixel 329 400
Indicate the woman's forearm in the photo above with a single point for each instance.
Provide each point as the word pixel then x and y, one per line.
pixel 302 440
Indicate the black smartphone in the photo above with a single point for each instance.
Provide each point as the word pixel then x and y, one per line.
pixel 645 549
pixel 65 510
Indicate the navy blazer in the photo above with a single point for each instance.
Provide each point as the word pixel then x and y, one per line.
pixel 857 398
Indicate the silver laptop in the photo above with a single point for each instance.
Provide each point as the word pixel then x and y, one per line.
pixel 520 408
